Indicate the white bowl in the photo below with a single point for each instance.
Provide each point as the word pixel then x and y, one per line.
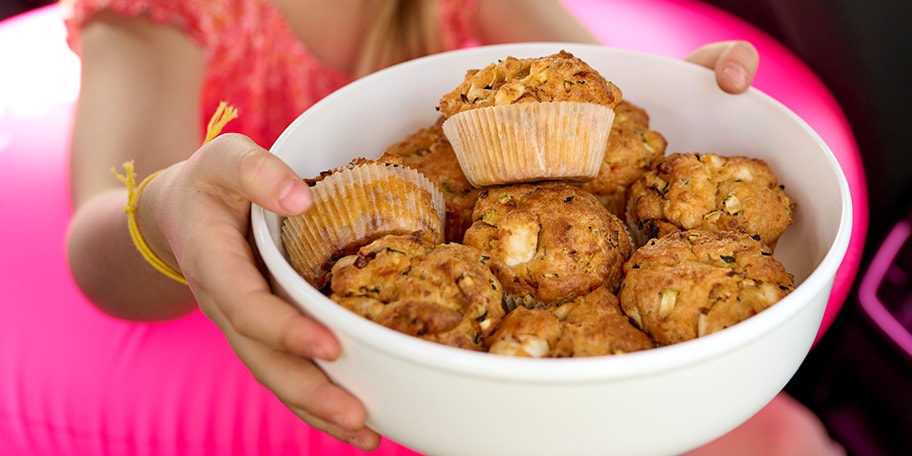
pixel 441 400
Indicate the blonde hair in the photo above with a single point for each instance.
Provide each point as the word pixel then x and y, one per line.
pixel 400 30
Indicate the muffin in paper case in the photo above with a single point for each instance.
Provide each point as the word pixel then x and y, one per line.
pixel 527 142
pixel 356 205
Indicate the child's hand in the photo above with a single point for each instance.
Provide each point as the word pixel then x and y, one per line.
pixel 203 209
pixel 734 62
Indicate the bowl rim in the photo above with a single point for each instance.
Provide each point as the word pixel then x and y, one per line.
pixel 563 370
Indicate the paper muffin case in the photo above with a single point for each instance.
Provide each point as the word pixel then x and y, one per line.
pixel 355 206
pixel 616 203
pixel 528 142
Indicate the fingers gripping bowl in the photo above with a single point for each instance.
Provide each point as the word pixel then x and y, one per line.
pixel 443 400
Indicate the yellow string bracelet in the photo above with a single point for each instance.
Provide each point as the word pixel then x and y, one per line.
pixel 133 191
pixel 224 114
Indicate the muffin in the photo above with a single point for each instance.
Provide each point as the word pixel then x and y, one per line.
pixel 691 190
pixel 591 325
pixel 595 325
pixel 443 293
pixel 549 242
pixel 688 284
pixel 525 333
pixel 428 151
pixel 355 205
pixel 632 150
pixel 522 120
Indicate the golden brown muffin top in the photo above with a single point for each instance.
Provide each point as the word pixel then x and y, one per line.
pixel 549 242
pixel 557 77
pixel 691 283
pixel 694 190
pixel 525 333
pixel 445 293
pixel 591 325
pixel 595 325
pixel 632 150
pixel 354 163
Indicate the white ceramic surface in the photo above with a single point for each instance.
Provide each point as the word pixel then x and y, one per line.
pixel 440 400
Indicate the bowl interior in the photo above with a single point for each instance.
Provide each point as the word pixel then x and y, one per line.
pixel 683 103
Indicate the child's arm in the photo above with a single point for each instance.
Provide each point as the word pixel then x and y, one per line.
pixel 139 100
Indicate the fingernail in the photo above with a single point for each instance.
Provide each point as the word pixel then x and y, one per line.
pixel 362 443
pixel 736 74
pixel 356 441
pixel 295 197
pixel 320 352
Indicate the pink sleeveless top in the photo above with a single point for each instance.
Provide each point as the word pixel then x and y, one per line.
pixel 255 61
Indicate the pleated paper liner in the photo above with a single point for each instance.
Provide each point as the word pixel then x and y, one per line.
pixel 528 142
pixel 355 206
